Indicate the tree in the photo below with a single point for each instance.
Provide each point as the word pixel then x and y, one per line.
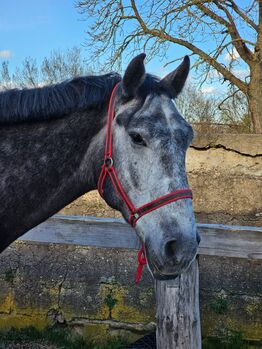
pixel 234 111
pixel 195 107
pixel 210 114
pixel 61 66
pixel 57 67
pixel 27 75
pixel 210 30
pixel 5 75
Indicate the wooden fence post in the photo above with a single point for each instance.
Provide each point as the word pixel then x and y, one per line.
pixel 178 317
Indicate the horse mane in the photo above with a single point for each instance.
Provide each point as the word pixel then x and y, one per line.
pixel 55 101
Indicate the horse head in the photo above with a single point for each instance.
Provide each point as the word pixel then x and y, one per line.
pixel 149 143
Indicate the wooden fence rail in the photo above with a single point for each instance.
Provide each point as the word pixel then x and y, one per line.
pixel 216 239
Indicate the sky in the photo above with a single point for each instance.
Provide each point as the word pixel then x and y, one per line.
pixel 35 28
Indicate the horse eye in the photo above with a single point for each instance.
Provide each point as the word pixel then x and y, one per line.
pixel 137 139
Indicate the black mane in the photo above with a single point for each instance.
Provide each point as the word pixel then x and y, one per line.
pixel 55 101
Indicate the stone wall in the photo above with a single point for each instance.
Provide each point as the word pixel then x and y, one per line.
pixel 226 176
pixel 225 173
pixel 92 290
pixel 89 289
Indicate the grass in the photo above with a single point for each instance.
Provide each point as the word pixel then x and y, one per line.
pixel 60 337
pixel 214 343
pixel 228 339
pixel 220 305
pixel 63 338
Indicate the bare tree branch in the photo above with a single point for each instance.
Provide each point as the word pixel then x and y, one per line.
pixel 243 15
pixel 220 33
pixel 239 44
pixel 161 34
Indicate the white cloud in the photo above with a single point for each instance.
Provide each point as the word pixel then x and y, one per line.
pixel 208 89
pixel 231 56
pixel 5 54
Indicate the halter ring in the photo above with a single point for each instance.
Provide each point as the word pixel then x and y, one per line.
pixel 109 162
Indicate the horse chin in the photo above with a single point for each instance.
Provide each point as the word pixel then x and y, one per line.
pixel 159 274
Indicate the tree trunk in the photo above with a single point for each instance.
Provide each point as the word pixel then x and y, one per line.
pixel 254 92
pixel 178 318
pixel 255 97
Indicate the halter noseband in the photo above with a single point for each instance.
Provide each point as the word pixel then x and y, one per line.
pixel 108 169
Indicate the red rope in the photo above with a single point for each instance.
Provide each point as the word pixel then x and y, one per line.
pixel 141 258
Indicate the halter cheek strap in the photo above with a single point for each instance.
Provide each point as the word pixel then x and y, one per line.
pixel 108 170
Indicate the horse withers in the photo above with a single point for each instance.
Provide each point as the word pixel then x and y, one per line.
pixel 52 142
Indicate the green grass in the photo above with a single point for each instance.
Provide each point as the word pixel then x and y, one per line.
pixel 220 305
pixel 227 340
pixel 62 338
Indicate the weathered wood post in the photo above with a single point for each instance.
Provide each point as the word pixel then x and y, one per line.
pixel 178 317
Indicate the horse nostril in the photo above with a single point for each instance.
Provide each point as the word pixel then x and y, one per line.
pixel 198 238
pixel 170 248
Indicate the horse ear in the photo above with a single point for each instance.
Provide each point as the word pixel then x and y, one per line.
pixel 175 81
pixel 134 75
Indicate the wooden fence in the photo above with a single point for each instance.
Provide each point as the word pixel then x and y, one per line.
pixel 216 239
pixel 178 320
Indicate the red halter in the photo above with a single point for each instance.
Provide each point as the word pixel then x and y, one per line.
pixel 108 169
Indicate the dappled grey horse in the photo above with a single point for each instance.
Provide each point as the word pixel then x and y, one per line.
pixel 52 142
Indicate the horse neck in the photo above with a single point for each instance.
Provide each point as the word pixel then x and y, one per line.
pixel 47 166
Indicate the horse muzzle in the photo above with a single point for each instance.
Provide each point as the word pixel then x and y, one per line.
pixel 171 260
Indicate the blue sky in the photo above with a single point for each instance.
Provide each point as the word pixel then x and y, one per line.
pixel 35 28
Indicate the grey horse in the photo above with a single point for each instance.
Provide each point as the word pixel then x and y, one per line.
pixel 51 152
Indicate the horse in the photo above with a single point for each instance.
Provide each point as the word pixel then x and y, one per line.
pixel 52 142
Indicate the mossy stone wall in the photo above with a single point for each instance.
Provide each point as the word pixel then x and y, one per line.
pixel 92 290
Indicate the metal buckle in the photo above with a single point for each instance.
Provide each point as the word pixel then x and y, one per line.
pixel 136 215
pixel 108 162
pixel 133 218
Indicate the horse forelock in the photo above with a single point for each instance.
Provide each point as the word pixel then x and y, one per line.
pixel 153 109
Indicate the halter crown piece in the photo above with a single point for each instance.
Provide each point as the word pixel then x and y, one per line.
pixel 108 170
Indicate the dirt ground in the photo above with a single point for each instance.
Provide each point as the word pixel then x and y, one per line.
pixel 90 204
